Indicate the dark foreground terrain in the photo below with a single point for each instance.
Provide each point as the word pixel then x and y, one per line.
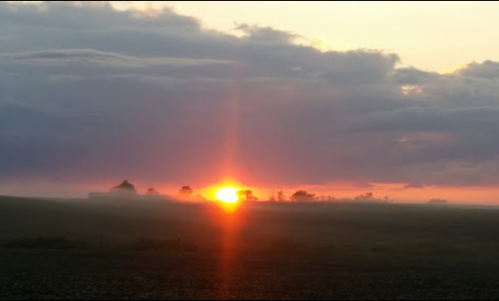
pixel 81 250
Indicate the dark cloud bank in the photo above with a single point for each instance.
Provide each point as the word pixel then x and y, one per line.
pixel 92 93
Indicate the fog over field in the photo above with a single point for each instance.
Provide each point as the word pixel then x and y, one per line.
pixel 157 249
pixel 312 226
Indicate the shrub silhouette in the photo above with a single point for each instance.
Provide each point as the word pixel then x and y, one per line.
pixel 366 196
pixel 438 202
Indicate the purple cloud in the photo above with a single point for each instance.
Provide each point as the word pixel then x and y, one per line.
pixel 163 99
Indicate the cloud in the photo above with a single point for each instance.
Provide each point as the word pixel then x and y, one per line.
pixel 414 186
pixel 160 98
pixel 266 34
pixel 488 70
pixel 75 15
pixel 89 57
pixel 413 76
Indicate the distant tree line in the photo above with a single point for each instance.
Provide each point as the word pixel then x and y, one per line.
pixel 302 196
pixel 125 187
pixel 247 195
pixel 438 202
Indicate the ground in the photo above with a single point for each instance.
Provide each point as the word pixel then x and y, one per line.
pixel 70 249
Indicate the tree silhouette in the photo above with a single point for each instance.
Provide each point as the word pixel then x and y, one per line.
pixel 246 195
pixel 272 198
pixel 281 197
pixel 321 198
pixel 185 191
pixel 303 196
pixel 125 187
pixel 152 191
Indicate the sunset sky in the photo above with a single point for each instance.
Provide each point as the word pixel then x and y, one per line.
pixel 401 99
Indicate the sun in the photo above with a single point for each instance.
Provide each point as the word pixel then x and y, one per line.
pixel 227 195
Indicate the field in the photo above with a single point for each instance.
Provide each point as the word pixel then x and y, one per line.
pixel 78 249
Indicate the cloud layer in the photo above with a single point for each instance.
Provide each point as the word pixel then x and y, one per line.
pixel 88 92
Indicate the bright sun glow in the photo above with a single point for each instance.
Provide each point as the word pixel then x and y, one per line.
pixel 227 195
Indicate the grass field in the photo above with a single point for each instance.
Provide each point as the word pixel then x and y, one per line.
pixel 78 249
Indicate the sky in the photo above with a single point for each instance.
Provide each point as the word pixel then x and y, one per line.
pixel 433 36
pixel 338 98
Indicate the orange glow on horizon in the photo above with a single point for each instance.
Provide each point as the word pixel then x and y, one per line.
pixel 398 192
